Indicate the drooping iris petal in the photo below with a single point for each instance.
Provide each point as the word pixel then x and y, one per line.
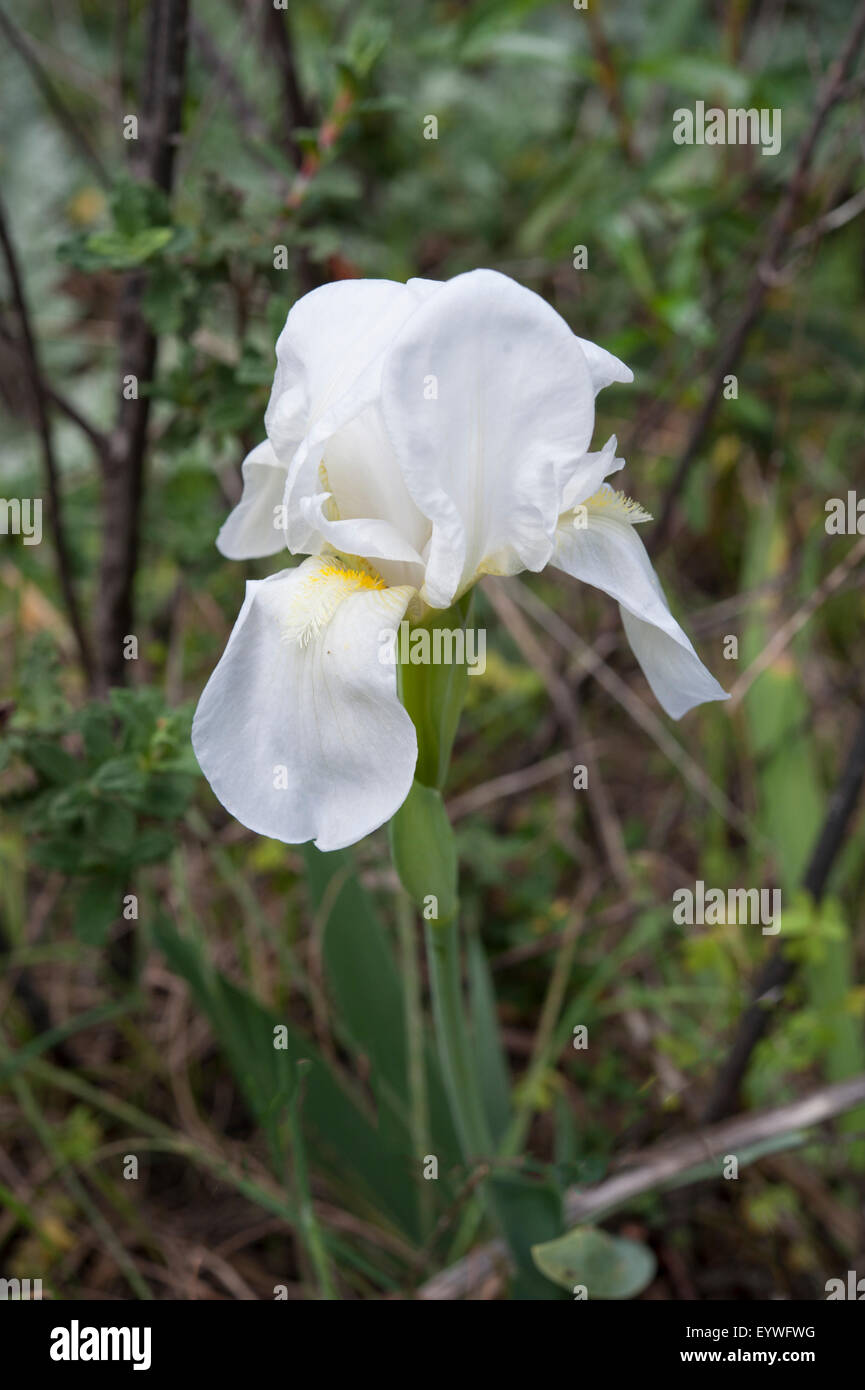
pixel 328 371
pixel 671 666
pixel 488 398
pixel 250 530
pixel 608 553
pixel 299 730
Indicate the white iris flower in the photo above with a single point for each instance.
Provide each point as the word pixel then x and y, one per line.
pixel 419 436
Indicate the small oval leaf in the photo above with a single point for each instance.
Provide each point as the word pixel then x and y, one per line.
pixel 607 1266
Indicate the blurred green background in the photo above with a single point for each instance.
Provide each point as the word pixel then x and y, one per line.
pixel 149 1036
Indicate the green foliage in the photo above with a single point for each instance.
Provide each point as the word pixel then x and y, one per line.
pixel 139 230
pixel 264 1050
pixel 368 998
pixel 94 788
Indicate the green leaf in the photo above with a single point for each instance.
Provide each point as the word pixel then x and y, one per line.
pixel 44 1042
pixel 137 205
pixel 120 777
pixel 343 1138
pixel 528 1208
pixel 606 1266
pixel 166 298
pixel 150 846
pixel 99 904
pixel 365 985
pixel 361 975
pixel 95 725
pixel 701 75
pixel 167 794
pixel 492 1066
pixel 112 827
pixel 67 807
pixel 57 852
pixel 424 854
pixel 117 252
pixel 53 763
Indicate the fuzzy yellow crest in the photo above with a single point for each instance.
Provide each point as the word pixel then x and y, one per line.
pixel 320 593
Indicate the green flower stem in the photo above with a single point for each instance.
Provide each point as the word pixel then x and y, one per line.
pixel 424 854
pixel 433 696
pixel 425 858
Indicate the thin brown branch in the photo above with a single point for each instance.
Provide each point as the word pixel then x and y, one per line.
pixel 830 221
pixel 603 813
pixel 611 83
pixel 296 112
pixel 665 1162
pixel 159 128
pixel 641 713
pixel 229 85
pixel 508 784
pixel 65 119
pixel 36 386
pixel 779 968
pixel 767 268
pixel 59 401
pixel 794 624
pixel 656 1167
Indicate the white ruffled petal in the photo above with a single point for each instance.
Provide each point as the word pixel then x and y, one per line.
pixel 588 473
pixel 396 561
pixel 331 337
pixel 250 531
pixel 488 399
pixel 328 371
pixel 300 731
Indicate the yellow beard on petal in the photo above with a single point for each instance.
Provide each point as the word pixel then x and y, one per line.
pixel 616 505
pixel 320 593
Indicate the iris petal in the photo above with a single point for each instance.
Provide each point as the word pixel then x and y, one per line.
pixel 300 731
pixel 609 554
